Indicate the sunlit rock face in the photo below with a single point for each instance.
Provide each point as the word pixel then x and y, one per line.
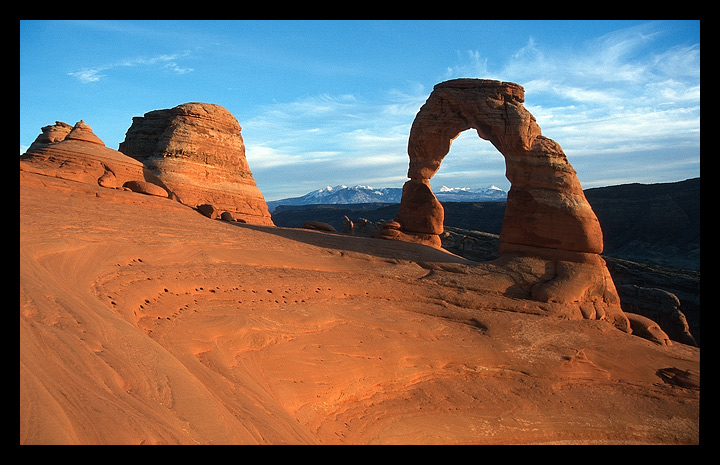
pixel 75 153
pixel 547 215
pixel 198 152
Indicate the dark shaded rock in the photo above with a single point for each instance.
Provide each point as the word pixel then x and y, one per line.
pixel 209 210
pixel 318 226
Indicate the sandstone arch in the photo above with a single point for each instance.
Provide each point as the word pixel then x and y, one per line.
pixel 546 205
pixel 547 215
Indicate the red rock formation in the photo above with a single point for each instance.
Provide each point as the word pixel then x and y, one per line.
pixel 547 215
pixel 546 204
pixel 77 154
pixel 196 149
pixel 51 134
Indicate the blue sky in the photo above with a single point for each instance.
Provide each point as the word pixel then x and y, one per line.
pixel 332 102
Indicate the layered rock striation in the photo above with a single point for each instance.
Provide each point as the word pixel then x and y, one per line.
pixel 198 152
pixel 547 216
pixel 75 153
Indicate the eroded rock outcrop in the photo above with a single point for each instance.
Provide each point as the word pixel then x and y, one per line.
pixel 547 216
pixel 198 152
pixel 646 328
pixel 659 306
pixel 77 154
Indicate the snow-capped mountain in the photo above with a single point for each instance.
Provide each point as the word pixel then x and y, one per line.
pixel 342 195
pixel 468 194
pixel 365 194
pixel 358 194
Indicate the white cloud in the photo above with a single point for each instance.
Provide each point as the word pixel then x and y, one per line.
pixel 471 63
pixel 87 75
pixel 172 66
pixel 169 62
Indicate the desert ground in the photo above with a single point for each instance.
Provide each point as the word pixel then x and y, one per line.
pixel 144 322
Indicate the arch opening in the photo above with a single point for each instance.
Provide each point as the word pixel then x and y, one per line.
pixel 471 226
pixel 471 162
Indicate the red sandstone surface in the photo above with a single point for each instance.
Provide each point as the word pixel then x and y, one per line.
pixel 144 322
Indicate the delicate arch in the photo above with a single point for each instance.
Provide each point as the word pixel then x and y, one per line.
pixel 546 206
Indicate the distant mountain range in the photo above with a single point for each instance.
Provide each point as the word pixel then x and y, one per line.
pixel 345 195
pixel 646 223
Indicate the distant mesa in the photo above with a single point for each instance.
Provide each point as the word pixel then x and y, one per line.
pixel 547 215
pixel 198 153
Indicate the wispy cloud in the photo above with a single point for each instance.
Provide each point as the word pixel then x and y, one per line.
pixel 470 63
pixel 608 103
pixel 340 139
pixel 165 61
pixel 86 75
pixel 622 94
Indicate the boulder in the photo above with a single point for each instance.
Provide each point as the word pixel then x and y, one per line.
pixel 109 180
pixel 660 306
pixel 318 226
pixel 229 216
pixel 360 227
pixel 197 151
pixel 144 187
pixel 646 328
pixel 209 210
